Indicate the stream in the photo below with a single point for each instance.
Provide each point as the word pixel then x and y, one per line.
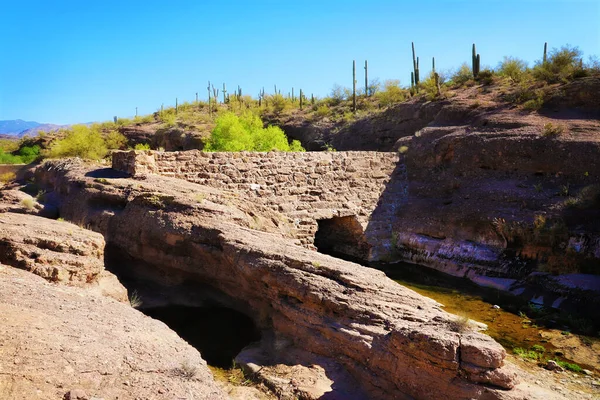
pixel 516 324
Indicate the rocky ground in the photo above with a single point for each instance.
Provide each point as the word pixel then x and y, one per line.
pixel 67 328
pixel 331 329
pixel 353 318
pixel 58 341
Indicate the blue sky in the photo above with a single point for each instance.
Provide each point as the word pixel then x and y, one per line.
pixel 82 61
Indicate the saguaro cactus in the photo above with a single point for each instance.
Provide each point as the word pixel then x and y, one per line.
pixel 354 85
pixel 415 65
pixel 476 62
pixel 301 99
pixel 433 64
pixel 436 77
pixel 366 80
pixel 224 93
pixel 176 106
pixel 545 58
pixel 209 107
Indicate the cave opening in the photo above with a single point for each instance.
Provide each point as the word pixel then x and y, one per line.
pixel 342 237
pixel 218 333
pixel 218 326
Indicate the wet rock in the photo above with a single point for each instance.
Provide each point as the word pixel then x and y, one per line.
pixel 553 366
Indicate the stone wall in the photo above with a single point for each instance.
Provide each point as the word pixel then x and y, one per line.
pixel 306 187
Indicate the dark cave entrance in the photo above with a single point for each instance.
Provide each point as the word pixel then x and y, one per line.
pixel 218 326
pixel 342 237
pixel 218 333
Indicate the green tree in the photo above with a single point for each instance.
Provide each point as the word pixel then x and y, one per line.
pixel 246 133
pixel 512 68
pixel 79 141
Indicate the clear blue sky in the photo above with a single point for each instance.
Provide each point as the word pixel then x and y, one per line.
pixel 81 61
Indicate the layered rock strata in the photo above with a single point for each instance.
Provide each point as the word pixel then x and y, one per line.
pixel 396 343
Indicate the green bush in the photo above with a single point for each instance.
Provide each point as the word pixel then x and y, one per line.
pixel 486 76
pixel 512 68
pixel 562 65
pixel 551 130
pixel 323 110
pixel 246 133
pixel 29 154
pixel 279 103
pixel 79 141
pixel 8 158
pixel 9 145
pixel 115 140
pixel 392 93
pixel 142 146
pixel 462 75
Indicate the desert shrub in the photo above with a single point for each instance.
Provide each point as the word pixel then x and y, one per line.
pixel 8 158
pixel 430 88
pixel 7 177
pixel 246 133
pixel 392 93
pixel 486 76
pixel 79 141
pixel 124 121
pixel 115 140
pixel 593 65
pixel 337 95
pixel 29 154
pixel 373 87
pixel 28 203
pixel 9 145
pixel 528 354
pixel 145 119
pixel 533 104
pixel 587 198
pixel 551 130
pixel 279 103
pixel 462 75
pixel 512 68
pixel 142 146
pixel 323 110
pixel 459 325
pixel 562 65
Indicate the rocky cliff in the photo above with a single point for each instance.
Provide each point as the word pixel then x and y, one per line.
pixel 394 342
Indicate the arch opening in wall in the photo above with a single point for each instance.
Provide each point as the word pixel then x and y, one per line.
pixel 342 237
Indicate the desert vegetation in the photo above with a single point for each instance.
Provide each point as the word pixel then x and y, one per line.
pixel 233 121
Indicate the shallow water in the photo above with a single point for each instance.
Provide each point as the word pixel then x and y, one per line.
pixel 510 325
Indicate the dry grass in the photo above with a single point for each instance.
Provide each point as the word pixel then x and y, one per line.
pixel 460 324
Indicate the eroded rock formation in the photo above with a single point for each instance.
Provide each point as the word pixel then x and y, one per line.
pixel 394 342
pixel 63 342
pixel 57 251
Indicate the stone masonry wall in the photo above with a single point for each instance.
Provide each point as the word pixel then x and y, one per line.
pixel 304 186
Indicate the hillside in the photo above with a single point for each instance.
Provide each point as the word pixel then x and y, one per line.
pixel 14 127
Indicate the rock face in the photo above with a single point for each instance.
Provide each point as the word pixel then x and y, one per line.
pixel 57 251
pixel 63 342
pixel 305 187
pixel 394 342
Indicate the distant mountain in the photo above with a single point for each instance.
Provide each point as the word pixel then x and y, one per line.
pixel 41 128
pixel 14 127
pixel 19 128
